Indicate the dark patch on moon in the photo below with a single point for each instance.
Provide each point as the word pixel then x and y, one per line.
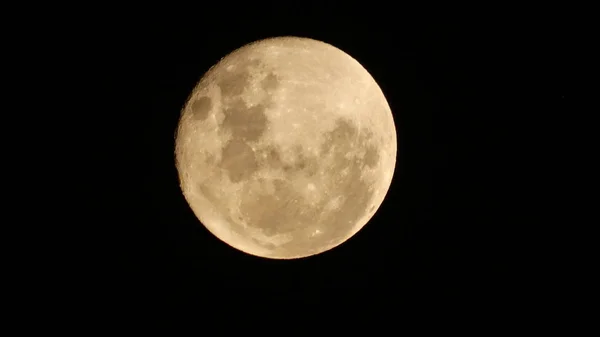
pixel 247 123
pixel 269 156
pixel 371 156
pixel 209 159
pixel 299 158
pixel 273 158
pixel 342 136
pixel 201 107
pixel 302 163
pixel 270 82
pixel 233 83
pixel 254 62
pixel 280 212
pixel 207 193
pixel 310 166
pixel 267 245
pixel 237 158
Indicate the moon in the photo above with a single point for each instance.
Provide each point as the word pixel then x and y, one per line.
pixel 285 148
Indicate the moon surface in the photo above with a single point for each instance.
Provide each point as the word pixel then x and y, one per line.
pixel 285 148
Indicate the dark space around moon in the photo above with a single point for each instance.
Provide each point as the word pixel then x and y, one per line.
pixel 447 228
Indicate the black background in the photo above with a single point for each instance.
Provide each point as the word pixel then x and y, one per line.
pixel 465 95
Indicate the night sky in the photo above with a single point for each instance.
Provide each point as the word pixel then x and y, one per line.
pixel 463 99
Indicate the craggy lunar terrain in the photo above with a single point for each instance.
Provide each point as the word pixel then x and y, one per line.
pixel 286 148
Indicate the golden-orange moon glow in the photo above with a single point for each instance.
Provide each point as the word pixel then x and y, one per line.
pixel 286 148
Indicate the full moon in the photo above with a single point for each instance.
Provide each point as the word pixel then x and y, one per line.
pixel 285 148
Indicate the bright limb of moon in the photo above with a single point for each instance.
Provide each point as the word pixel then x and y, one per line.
pixel 286 148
